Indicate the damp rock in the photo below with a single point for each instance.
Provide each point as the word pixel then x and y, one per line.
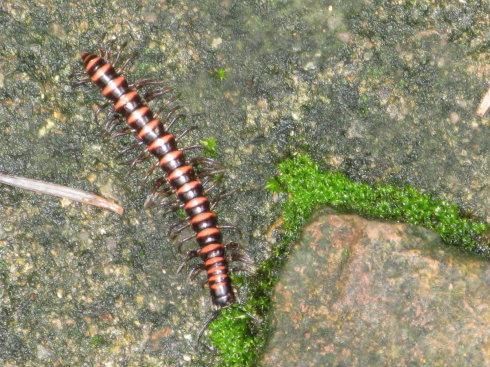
pixel 364 293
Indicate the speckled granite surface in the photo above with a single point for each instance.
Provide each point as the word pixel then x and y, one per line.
pixel 380 90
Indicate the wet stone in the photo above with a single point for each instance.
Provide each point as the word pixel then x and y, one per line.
pixel 364 293
pixel 365 87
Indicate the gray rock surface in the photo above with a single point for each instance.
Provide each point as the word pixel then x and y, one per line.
pixel 362 293
pixel 384 91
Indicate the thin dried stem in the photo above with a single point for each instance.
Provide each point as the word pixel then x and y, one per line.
pixel 52 189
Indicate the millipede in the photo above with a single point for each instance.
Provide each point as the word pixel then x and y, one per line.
pixel 180 175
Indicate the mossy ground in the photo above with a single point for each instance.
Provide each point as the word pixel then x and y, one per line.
pixel 235 333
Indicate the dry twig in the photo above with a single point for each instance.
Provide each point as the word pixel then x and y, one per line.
pixel 48 188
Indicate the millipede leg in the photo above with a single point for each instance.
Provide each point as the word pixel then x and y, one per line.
pixel 99 110
pixel 111 52
pixel 206 161
pixel 151 170
pixel 103 52
pixel 153 200
pixel 171 107
pixel 172 233
pixel 143 156
pixel 240 257
pixel 174 119
pixel 157 196
pixel 106 50
pixel 172 103
pixel 213 317
pixel 78 78
pixel 221 197
pixel 207 170
pixel 151 95
pixel 125 64
pixel 211 172
pixel 186 131
pixel 210 188
pixel 206 167
pixel 119 52
pixel 237 253
pixel 79 82
pixel 126 150
pixel 181 243
pixel 241 267
pixel 240 262
pixel 112 122
pixel 116 59
pixel 195 271
pixel 129 59
pixel 162 193
pixel 121 132
pixel 190 255
pixel 232 246
pixel 208 185
pixel 173 208
pixel 160 187
pixel 192 147
pixel 158 183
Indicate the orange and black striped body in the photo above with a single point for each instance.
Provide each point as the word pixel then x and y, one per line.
pixel 181 176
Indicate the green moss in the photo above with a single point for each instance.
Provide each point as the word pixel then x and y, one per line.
pixel 210 146
pixel 98 341
pixel 220 74
pixel 233 333
pixel 238 339
pixel 181 213
pixel 309 187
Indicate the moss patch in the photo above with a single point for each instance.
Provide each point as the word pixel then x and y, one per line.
pixel 220 74
pixel 234 333
pixel 309 187
pixel 98 341
pixel 210 147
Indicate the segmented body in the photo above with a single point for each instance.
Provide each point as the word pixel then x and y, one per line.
pixel 180 175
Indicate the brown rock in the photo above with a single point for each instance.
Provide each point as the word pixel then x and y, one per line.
pixel 159 336
pixel 364 293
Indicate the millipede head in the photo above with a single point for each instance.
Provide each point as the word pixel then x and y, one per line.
pixel 87 56
pixel 90 60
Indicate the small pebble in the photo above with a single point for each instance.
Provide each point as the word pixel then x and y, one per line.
pixel 216 42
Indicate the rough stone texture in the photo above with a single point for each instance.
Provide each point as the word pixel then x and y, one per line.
pixel 364 293
pixel 381 90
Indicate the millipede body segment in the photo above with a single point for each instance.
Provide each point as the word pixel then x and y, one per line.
pixel 179 175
